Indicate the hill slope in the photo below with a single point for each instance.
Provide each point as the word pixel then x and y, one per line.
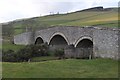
pixel 97 16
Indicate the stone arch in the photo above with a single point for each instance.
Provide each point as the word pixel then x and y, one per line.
pixel 84 47
pixel 58 33
pixel 58 41
pixel 39 40
pixel 86 37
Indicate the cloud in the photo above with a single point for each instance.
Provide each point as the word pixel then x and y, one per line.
pixel 17 9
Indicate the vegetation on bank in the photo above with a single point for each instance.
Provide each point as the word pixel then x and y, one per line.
pixel 30 51
pixel 36 61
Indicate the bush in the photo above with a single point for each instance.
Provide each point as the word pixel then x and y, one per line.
pixel 39 50
pixel 25 53
pixel 59 53
pixel 9 56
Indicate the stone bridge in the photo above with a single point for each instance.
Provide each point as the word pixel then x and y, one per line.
pixel 97 41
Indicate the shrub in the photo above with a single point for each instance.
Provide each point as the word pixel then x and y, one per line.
pixel 9 56
pixel 25 53
pixel 59 53
pixel 39 50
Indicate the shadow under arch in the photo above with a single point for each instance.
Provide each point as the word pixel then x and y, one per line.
pixel 39 40
pixel 84 47
pixel 58 41
pixel 60 34
pixel 86 37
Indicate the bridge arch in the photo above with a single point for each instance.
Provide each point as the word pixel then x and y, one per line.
pixel 85 37
pixel 58 41
pixel 84 47
pixel 58 34
pixel 39 40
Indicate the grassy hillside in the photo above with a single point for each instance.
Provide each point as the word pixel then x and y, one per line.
pixel 103 17
pixel 70 68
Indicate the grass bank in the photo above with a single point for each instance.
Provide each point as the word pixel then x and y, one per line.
pixel 7 46
pixel 68 68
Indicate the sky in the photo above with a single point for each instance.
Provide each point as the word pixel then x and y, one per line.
pixel 18 9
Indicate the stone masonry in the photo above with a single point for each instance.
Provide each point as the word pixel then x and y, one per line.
pixel 105 41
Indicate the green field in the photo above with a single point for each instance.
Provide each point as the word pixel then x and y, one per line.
pixel 43 58
pixel 0 69
pixel 68 68
pixel 7 46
